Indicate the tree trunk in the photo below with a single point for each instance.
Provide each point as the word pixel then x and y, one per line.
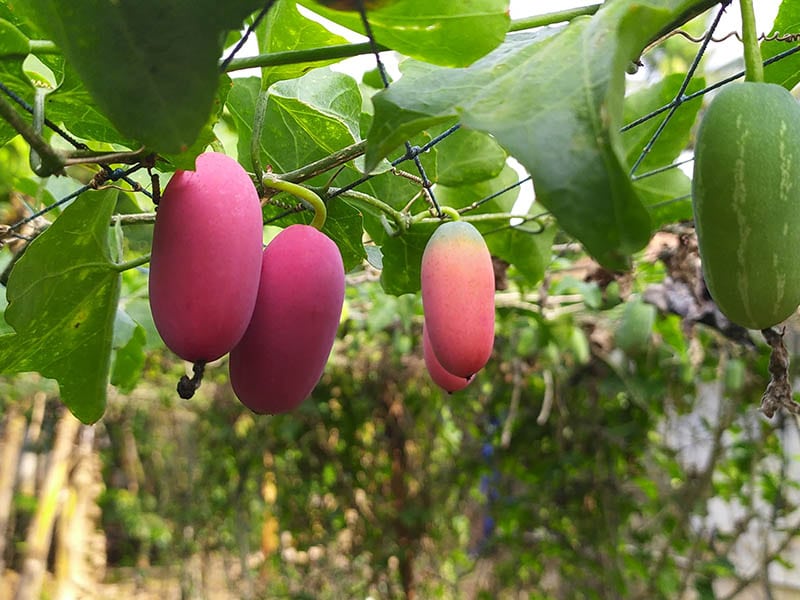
pixel 40 532
pixel 13 437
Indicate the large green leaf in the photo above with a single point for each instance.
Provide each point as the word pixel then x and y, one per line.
pixel 286 29
pixel 555 103
pixel 69 104
pixel 344 226
pixel 12 41
pixel 442 32
pixel 468 156
pixel 402 259
pixel 667 196
pixel 527 248
pixel 72 106
pixel 14 47
pixel 129 342
pixel 463 196
pixel 62 300
pixel 785 72
pixel 306 118
pixel 664 194
pixel 151 66
pixel 675 136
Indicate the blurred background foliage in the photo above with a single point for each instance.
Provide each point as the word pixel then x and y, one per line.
pixel 569 468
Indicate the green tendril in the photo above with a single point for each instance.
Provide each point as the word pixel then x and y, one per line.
pixel 305 195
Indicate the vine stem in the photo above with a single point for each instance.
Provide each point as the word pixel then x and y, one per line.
pixel 303 194
pixel 339 51
pixel 753 64
pixel 258 127
pixel 484 218
pixel 332 161
pixel 401 219
pixel 132 264
pixel 553 17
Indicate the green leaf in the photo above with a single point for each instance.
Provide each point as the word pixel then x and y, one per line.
pixel 667 196
pixel 529 252
pixel 785 72
pixel 344 226
pixel 62 300
pixel 129 343
pixel 186 159
pixel 72 106
pixel 285 29
pixel 12 41
pixel 151 66
pixel 555 103
pixel 306 119
pixel 402 259
pixel 436 31
pixel 14 44
pixel 468 156
pixel 463 196
pixel 675 137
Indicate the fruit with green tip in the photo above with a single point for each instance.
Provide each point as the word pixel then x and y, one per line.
pixel 440 376
pixel 746 200
pixel 205 260
pixel 457 279
pixel 282 355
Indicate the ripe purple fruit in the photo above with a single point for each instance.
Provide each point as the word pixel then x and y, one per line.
pixel 206 258
pixel 284 350
pixel 458 297
pixel 440 376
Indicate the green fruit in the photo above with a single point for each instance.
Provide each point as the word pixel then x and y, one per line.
pixel 746 199
pixel 635 327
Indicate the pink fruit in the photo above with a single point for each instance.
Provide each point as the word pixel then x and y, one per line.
pixel 206 258
pixel 284 350
pixel 458 297
pixel 440 376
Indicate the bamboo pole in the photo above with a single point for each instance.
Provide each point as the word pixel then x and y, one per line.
pixel 40 532
pixel 13 438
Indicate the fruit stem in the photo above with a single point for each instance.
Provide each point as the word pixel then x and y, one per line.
pixel 753 63
pixel 450 212
pixel 303 194
pixel 188 386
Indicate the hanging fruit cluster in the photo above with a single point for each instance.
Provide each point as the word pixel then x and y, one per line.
pixel 213 290
pixel 276 310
